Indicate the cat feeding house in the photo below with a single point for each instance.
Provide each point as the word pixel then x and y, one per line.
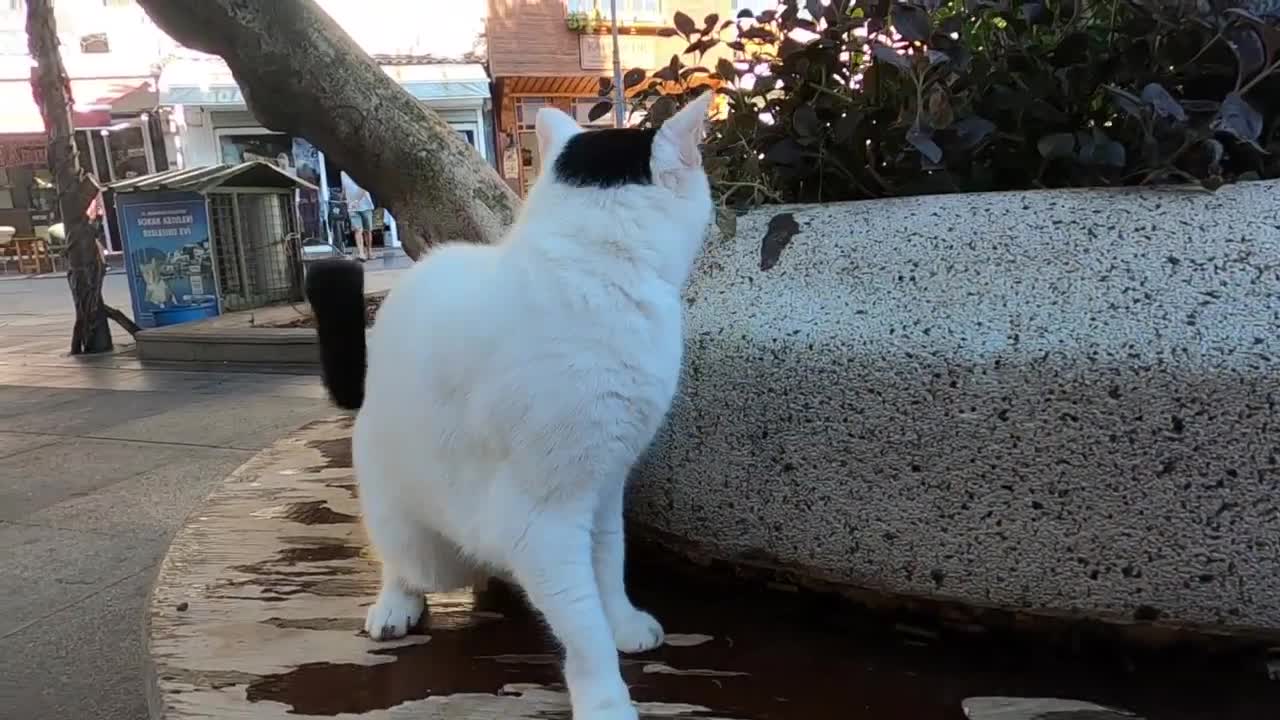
pixel 202 241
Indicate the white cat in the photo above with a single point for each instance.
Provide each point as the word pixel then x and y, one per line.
pixel 157 288
pixel 511 388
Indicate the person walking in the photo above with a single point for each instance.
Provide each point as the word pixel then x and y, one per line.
pixel 360 210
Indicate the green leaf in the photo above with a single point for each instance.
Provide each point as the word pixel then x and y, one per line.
pixel 599 110
pixel 726 69
pixel 805 123
pixel 922 141
pixel 662 108
pixel 972 131
pixel 1237 118
pixel 1057 145
pixel 1158 98
pixel 684 24
pixel 886 54
pixel 1249 50
pixel 634 77
pixel 911 22
pixel 1127 101
pixel 1110 154
pixel 784 152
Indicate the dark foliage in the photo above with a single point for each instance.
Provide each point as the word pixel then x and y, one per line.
pixel 882 97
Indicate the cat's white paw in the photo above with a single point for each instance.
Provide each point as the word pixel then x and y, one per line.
pixel 636 631
pixel 394 614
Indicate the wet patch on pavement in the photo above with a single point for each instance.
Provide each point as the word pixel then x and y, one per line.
pixel 275 607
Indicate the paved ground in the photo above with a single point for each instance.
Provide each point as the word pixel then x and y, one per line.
pixel 100 462
pixel 257 611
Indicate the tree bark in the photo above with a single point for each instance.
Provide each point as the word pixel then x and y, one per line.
pixel 86 266
pixel 302 74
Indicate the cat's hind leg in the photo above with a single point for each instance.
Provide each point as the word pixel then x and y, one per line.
pixel 415 560
pixel 634 630
pixel 551 560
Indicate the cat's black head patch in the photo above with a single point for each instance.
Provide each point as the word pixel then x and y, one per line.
pixel 606 158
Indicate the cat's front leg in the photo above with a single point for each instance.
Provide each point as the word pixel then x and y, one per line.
pixel 552 562
pixel 634 630
pixel 397 610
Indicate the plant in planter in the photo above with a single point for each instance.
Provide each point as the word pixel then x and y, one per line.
pixel 852 100
pixel 585 21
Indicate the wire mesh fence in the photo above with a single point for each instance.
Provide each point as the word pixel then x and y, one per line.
pixel 257 249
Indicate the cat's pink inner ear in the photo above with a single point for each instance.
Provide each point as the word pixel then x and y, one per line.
pixel 685 129
pixel 552 127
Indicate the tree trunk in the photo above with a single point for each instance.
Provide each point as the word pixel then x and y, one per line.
pixel 86 266
pixel 302 74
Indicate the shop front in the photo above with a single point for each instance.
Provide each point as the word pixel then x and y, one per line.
pixel 116 132
pixel 211 125
pixel 28 198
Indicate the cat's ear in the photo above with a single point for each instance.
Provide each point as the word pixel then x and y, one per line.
pixel 553 127
pixel 684 130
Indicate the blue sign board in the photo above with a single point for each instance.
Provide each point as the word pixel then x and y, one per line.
pixel 167 256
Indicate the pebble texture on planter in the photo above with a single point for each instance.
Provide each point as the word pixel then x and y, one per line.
pixel 1062 401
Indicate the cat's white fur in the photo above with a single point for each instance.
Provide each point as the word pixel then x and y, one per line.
pixel 510 390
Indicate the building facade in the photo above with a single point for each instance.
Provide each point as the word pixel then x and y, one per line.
pixel 210 124
pixel 119 127
pixel 144 104
pixel 541 53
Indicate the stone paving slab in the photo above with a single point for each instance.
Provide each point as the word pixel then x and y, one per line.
pixel 14 443
pixel 81 662
pixel 74 467
pixel 258 608
pixel 46 569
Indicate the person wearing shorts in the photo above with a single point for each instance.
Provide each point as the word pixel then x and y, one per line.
pixel 360 210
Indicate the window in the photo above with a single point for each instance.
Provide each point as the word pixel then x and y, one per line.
pixel 629 11
pixel 93 154
pixel 527 111
pixel 6 191
pixel 128 153
pixel 273 148
pixel 95 43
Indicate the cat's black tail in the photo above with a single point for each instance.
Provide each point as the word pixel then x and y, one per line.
pixel 335 289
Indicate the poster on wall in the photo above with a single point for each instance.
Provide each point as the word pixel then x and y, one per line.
pixel 306 160
pixel 167 257
pixel 275 149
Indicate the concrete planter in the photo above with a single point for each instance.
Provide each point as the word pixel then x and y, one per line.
pixel 1059 402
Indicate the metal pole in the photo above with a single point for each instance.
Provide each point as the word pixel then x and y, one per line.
pixel 620 101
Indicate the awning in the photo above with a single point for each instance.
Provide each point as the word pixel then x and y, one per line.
pixel 95 99
pixel 252 174
pixel 206 82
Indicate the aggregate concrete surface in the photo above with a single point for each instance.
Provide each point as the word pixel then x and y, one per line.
pixel 1060 400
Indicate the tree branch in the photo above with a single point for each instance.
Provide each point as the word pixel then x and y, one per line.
pixel 302 74
pixel 124 321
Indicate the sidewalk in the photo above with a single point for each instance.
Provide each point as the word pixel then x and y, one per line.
pixel 101 460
